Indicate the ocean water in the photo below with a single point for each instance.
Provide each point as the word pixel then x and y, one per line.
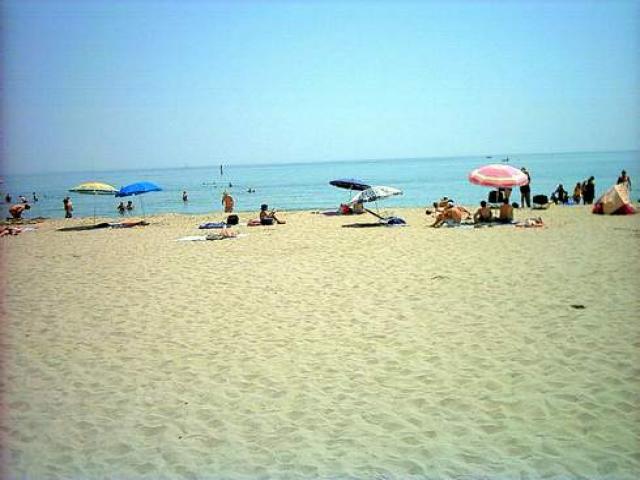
pixel 303 186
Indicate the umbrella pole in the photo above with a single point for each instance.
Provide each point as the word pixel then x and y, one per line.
pixel 94 207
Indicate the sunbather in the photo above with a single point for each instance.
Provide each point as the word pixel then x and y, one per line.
pixel 483 214
pixel 451 215
pixel 266 217
pixel 506 212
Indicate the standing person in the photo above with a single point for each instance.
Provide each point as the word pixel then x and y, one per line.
pixel 525 190
pixel 624 179
pixel 129 205
pixel 121 208
pixel 68 207
pixel 589 191
pixel 227 202
pixel 7 198
pixel 35 197
pixel 185 197
pixel 577 193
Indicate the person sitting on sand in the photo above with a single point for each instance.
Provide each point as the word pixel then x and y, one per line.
pixel 560 195
pixel 16 210
pixel 266 217
pixel 483 214
pixel 451 215
pixel 506 212
pixel 358 208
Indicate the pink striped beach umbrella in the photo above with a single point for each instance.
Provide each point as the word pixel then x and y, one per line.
pixel 497 175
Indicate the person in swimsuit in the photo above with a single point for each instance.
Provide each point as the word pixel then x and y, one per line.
pixel 266 217
pixel 16 210
pixel 506 212
pixel 483 214
pixel 451 215
pixel 227 202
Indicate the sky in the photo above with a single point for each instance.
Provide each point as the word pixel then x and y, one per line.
pixel 101 85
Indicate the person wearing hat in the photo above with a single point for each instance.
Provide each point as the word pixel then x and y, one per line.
pixel 525 190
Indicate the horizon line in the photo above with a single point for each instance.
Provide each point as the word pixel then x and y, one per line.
pixel 307 162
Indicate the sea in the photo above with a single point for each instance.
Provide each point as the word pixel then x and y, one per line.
pixel 305 186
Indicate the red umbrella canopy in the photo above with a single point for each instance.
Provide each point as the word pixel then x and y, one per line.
pixel 497 175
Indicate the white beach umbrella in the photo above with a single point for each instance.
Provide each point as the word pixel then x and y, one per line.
pixel 375 193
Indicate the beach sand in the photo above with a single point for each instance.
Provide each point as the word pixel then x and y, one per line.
pixel 310 350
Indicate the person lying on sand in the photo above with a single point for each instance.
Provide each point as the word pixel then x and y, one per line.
pixel 506 212
pixel 6 231
pixel 452 215
pixel 266 217
pixel 483 214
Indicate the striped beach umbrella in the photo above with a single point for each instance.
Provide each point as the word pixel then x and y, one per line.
pixel 497 175
pixel 94 188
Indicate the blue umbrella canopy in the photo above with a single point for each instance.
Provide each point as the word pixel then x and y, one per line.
pixel 137 189
pixel 349 184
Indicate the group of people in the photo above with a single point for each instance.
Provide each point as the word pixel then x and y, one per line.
pixel 584 191
pixel 122 208
pixel 448 213
pixel 8 198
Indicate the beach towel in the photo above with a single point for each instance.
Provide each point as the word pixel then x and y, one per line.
pixel 129 224
pixel 210 225
pixel 211 236
pixel 79 228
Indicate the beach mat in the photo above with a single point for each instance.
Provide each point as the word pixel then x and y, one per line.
pixel 79 228
pixel 368 225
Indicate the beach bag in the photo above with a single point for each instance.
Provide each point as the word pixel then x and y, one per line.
pixel 540 199
pixel 232 220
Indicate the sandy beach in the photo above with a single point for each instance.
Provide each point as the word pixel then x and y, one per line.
pixel 311 350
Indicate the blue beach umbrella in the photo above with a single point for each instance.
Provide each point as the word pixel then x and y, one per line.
pixel 350 184
pixel 138 188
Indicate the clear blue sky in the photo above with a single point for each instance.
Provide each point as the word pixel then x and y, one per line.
pixel 97 85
